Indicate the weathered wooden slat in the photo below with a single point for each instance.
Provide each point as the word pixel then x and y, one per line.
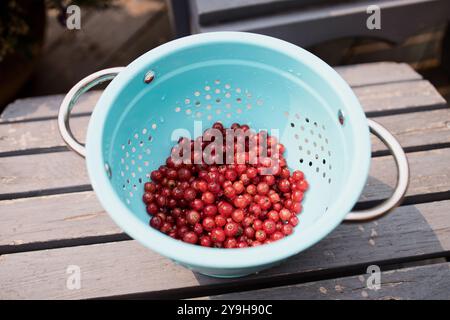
pixel 399 97
pixel 16 137
pixel 429 173
pixel 53 218
pixel 416 129
pixel 416 283
pixel 365 74
pixel 410 231
pixel 46 107
pixel 357 75
pixel 33 173
pixel 21 136
pixel 23 174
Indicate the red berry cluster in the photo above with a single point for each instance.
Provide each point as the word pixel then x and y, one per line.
pixel 226 205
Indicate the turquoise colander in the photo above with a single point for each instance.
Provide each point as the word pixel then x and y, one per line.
pixel 229 77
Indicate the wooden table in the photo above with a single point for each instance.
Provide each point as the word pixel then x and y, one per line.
pixel 50 219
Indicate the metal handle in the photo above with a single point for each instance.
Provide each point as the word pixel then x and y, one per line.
pixel 72 97
pixel 402 179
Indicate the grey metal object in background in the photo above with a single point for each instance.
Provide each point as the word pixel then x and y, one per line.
pixel 306 22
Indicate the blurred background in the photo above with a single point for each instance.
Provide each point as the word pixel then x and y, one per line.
pixel 39 55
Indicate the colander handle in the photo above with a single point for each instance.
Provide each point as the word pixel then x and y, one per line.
pixel 72 97
pixel 402 178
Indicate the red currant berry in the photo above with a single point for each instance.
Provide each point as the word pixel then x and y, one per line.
pixel 297 175
pixel 296 207
pixel 166 227
pixel 251 172
pixel 214 187
pixel 260 235
pixel 231 175
pixel 249 232
pixel 257 224
pixel 238 215
pixel 247 222
pixel 150 187
pixel 240 202
pixel 218 235
pixel 264 203
pixel 202 186
pixel 208 197
pixel 220 221
pixel 197 204
pixel 156 175
pixel 210 210
pixel 254 209
pixel 198 229
pixel 229 192
pixel 224 208
pixel 208 223
pixel 293 220
pixel 231 229
pixel 181 231
pixel 190 237
pixel 205 241
pixel 285 214
pixel 297 196
pixel 251 189
pixel 284 185
pixel 262 188
pixel 277 235
pixel 230 243
pixel 285 173
pixel 152 209
pixel 189 194
pixel 156 222
pixel 242 245
pixel 161 201
pixel 256 243
pixel 184 174
pixel 287 229
pixel 269 179
pixel 192 217
pixel 273 215
pixel 238 187
pixel 269 226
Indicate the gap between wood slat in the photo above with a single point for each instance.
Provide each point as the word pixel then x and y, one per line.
pixel 412 149
pixel 376 114
pixel 64 243
pixel 408 200
pixel 28 152
pixel 37 119
pixel 45 192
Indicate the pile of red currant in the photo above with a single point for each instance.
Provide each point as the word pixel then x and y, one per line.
pixel 214 203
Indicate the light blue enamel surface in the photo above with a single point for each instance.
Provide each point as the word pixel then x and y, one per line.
pixel 232 77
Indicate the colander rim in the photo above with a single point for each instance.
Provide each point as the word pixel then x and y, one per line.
pixel 213 257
